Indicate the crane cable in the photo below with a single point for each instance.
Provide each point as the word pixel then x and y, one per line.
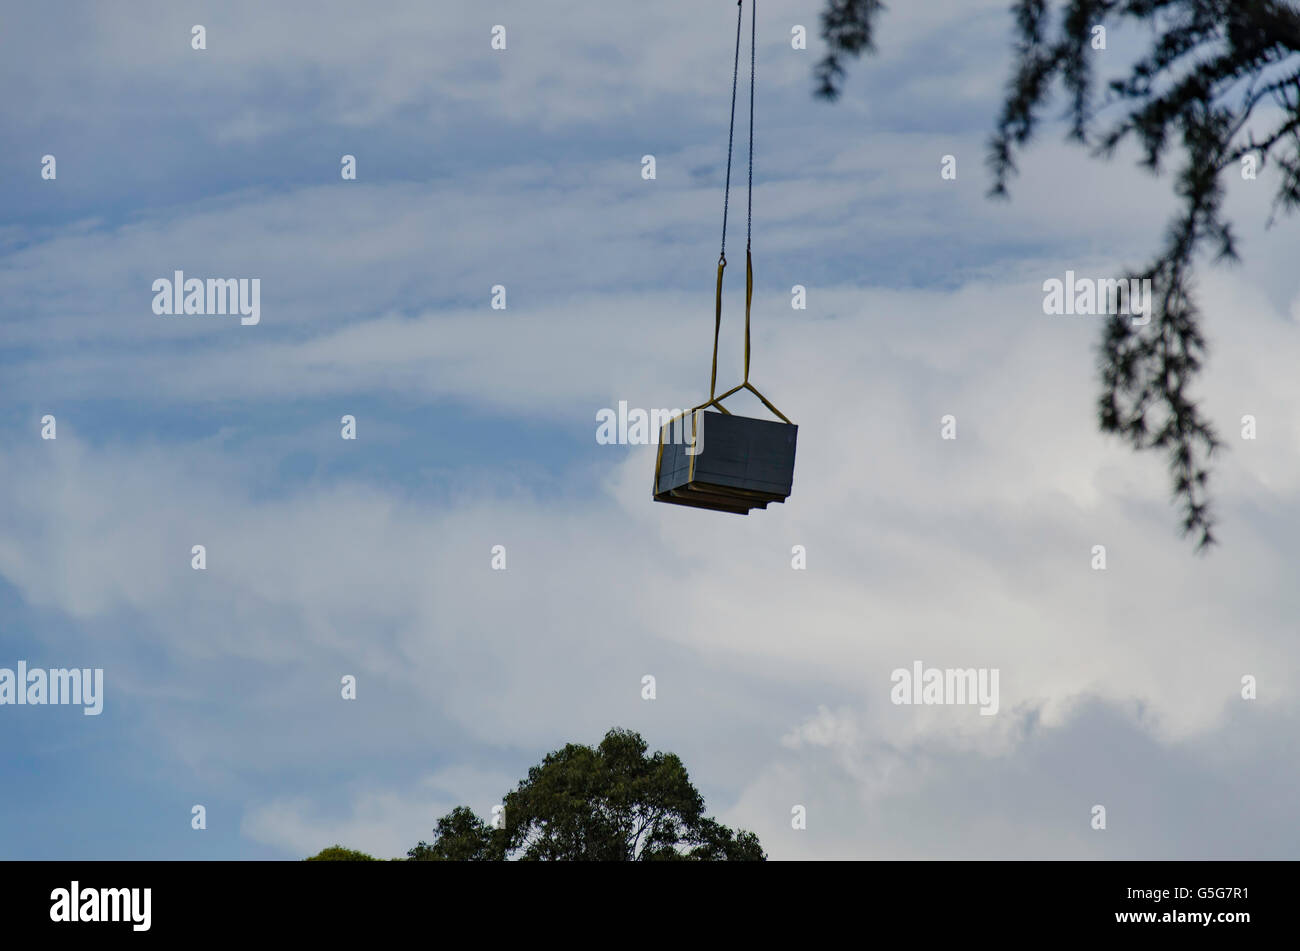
pixel 749 223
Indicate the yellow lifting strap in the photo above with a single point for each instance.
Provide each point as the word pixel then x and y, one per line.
pixel 716 401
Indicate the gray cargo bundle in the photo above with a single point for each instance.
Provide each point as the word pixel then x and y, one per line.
pixel 742 463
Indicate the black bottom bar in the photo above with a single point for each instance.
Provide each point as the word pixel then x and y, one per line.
pixel 984 902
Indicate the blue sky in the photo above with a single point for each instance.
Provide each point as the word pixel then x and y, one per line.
pixel 476 428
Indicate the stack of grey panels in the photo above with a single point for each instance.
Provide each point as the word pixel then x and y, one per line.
pixel 741 463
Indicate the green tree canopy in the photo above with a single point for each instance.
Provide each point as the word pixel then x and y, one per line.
pixel 336 853
pixel 1218 84
pixel 460 836
pixel 613 803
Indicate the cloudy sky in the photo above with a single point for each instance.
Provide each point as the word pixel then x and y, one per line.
pixel 475 428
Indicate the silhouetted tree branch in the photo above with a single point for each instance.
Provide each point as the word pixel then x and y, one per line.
pixel 1210 65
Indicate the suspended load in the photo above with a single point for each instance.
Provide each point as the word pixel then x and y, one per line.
pixel 717 460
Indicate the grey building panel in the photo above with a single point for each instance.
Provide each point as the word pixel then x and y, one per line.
pixel 744 464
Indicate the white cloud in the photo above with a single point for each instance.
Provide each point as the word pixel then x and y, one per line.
pixel 967 553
